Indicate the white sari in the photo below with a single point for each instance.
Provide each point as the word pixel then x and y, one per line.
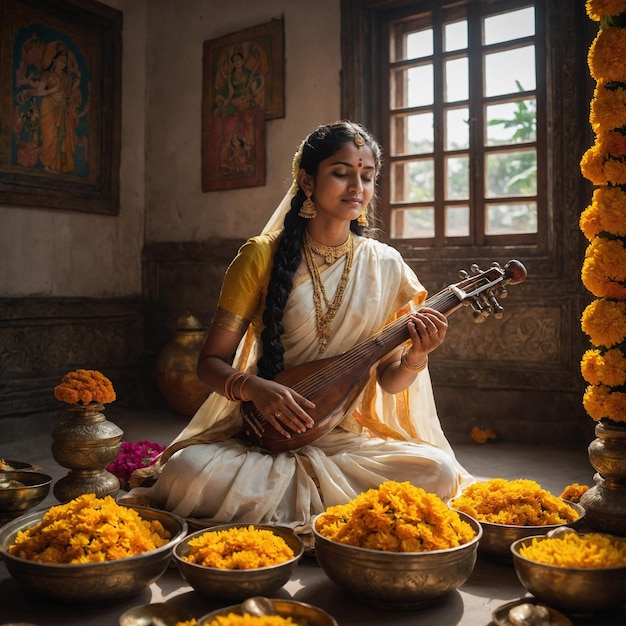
pixel 215 478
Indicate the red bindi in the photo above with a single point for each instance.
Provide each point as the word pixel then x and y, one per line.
pixel 360 163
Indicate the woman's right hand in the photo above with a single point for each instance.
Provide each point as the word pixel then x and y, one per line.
pixel 283 407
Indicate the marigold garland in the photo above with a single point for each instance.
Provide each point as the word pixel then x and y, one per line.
pixel 395 517
pixel 603 222
pixel 234 619
pixel 85 386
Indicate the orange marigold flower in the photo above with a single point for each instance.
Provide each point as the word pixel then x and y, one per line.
pixel 592 166
pixel 482 435
pixel 608 368
pixel 612 142
pixel 598 10
pixel 605 322
pixel 85 386
pixel 607 55
pixel 574 492
pixel 608 107
pixel 607 212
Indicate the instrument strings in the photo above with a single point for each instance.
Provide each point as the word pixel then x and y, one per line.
pixel 391 335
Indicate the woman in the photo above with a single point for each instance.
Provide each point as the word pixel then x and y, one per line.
pixel 310 287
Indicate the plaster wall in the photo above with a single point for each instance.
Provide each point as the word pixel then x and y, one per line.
pixel 47 252
pixel 177 209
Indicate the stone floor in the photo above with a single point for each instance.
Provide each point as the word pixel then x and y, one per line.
pixel 491 584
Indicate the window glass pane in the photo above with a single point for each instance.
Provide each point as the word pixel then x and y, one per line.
pixel 508 26
pixel 511 122
pixel 413 223
pixel 510 71
pixel 511 174
pixel 419 44
pixel 457 221
pixel 412 87
pixel 457 178
pixel 511 219
pixel 414 134
pixel 413 181
pixel 457 129
pixel 457 80
pixel 455 36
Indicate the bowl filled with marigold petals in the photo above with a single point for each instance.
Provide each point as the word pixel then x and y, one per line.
pixel 90 550
pixel 237 561
pixel 582 574
pixel 396 547
pixel 509 510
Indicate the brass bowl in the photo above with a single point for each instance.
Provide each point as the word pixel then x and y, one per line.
pixel 575 591
pixel 7 465
pixel 299 612
pixel 238 584
pixel 397 580
pixel 497 538
pixel 15 501
pixel 107 582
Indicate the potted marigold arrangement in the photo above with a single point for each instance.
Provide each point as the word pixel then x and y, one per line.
pixel 603 223
pixel 86 442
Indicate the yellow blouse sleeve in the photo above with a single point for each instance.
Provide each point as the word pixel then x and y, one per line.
pixel 244 289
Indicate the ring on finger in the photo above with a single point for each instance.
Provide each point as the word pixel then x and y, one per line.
pixel 278 414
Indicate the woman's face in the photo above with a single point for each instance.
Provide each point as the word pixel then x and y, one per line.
pixel 345 182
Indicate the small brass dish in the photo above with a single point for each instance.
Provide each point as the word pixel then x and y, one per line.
pixel 501 615
pixel 299 612
pixel 21 490
pixel 397 580
pixel 8 465
pixel 101 583
pixel 497 538
pixel 157 613
pixel 580 591
pixel 238 584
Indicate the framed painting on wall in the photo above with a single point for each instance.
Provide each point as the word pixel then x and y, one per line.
pixel 243 85
pixel 60 105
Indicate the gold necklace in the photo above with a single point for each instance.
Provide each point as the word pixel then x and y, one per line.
pixel 324 320
pixel 330 253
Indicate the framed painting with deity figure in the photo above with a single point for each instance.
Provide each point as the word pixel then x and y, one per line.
pixel 242 86
pixel 60 95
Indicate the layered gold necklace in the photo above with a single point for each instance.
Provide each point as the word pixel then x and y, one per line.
pixel 322 318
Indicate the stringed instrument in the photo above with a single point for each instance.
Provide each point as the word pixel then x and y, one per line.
pixel 334 383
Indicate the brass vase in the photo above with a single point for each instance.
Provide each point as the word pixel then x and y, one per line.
pixel 176 367
pixel 86 443
pixel 605 502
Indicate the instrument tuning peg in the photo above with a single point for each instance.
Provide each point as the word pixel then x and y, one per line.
pixel 478 313
pixel 496 264
pixel 475 268
pixel 495 306
pixel 463 274
pixel 502 291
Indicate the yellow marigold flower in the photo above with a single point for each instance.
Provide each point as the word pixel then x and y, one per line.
pixel 238 548
pixel 608 368
pixel 605 322
pixel 597 10
pixel 614 171
pixel 88 529
pixel 609 258
pixel 482 435
pixel 85 386
pixel 607 55
pixel 574 492
pixel 607 212
pixel 396 517
pixel 590 365
pixel 595 401
pixel 608 107
pixel 188 622
pixel 612 142
pixel 519 502
pixel 592 166
pixel 593 550
pixel 233 619
pixel 616 406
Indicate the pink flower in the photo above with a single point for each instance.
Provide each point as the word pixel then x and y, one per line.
pixel 134 456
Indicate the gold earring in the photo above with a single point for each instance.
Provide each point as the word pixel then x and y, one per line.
pixel 308 210
pixel 362 219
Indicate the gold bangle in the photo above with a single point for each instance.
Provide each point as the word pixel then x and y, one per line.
pixel 409 367
pixel 243 382
pixel 229 386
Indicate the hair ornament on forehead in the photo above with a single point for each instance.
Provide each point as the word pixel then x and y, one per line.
pixel 359 142
pixel 295 167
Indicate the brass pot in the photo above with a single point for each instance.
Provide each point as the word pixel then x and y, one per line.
pixel 86 443
pixel 605 502
pixel 176 367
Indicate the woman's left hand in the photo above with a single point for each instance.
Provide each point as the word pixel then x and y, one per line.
pixel 427 329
